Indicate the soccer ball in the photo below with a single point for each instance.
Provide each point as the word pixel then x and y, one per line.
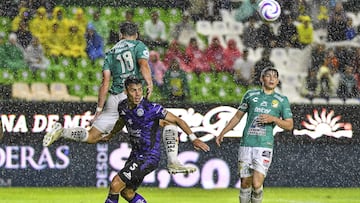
pixel 269 10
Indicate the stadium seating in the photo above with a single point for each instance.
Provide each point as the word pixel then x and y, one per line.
pixel 203 27
pixel 77 89
pixel 45 76
pixel 82 78
pixel 40 91
pixel 59 92
pixel 21 91
pixel 6 76
pixel 24 75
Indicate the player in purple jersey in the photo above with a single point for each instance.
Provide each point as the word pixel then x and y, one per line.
pixel 141 119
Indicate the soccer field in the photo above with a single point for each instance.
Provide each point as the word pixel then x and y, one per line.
pixel 180 195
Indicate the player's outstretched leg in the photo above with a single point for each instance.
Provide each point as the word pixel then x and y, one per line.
pixel 170 138
pixel 78 134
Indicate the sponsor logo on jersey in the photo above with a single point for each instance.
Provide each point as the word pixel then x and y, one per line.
pixel 263 103
pixel 262 110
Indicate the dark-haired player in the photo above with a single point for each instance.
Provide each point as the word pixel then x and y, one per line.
pixel 265 109
pixel 141 118
pixel 129 57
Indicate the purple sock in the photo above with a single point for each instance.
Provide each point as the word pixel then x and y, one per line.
pixel 138 199
pixel 112 198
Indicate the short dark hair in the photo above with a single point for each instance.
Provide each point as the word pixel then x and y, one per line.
pixel 128 29
pixel 267 69
pixel 132 80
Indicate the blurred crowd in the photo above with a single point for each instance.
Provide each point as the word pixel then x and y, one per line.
pixel 41 35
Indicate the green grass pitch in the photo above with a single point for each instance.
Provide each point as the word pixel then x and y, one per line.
pixel 179 195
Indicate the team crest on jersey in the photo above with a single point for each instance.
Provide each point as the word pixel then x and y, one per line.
pixel 140 112
pixel 275 103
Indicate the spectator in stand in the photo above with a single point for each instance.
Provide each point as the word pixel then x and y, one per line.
pixel 305 31
pixel 266 36
pixel 243 69
pixel 184 30
pixel 101 25
pixel 23 15
pixel 309 84
pixel 337 26
pixel 94 44
pixel 35 57
pixel 23 34
pixel 12 54
pixel 129 16
pixel 350 29
pixel 215 56
pixel 260 65
pixel 155 32
pixel 39 25
pixel 114 34
pixel 247 9
pixel 327 84
pixel 158 69
pixel 288 36
pixel 58 17
pixel 317 56
pixel 75 43
pixel 54 43
pixel 80 20
pixel 357 68
pixel 356 60
pixel 323 17
pixel 195 58
pixel 348 84
pixel 176 87
pixel 231 53
pixel 333 61
pixel 249 36
pixel 175 51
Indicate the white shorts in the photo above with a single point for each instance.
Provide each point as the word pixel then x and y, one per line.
pixel 254 158
pixel 108 117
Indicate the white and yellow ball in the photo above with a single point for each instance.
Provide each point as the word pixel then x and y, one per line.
pixel 269 10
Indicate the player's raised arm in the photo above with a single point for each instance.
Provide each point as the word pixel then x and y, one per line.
pixel 146 73
pixel 103 90
pixel 198 144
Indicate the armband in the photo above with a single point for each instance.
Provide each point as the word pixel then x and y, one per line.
pixel 98 109
pixel 192 137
